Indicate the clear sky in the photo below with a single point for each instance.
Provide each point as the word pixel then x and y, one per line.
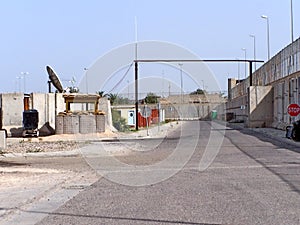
pixel 70 35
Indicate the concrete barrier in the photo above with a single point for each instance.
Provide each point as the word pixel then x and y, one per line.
pixel 2 139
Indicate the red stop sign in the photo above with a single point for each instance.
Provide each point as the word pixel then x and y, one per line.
pixel 293 109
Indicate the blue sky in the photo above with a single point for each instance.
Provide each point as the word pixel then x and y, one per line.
pixel 70 35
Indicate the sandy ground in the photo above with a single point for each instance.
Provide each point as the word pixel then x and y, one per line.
pixel 53 143
pixel 28 193
pixel 32 180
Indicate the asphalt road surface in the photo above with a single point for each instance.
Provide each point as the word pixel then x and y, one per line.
pixel 252 180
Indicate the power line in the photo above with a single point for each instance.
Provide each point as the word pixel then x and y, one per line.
pixel 121 79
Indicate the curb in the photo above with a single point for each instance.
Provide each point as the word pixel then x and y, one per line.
pixel 265 133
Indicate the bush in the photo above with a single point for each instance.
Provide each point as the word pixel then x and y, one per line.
pixel 118 122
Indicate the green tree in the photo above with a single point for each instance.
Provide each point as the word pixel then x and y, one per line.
pixel 151 98
pixel 119 122
pixel 112 98
pixel 198 92
pixel 101 93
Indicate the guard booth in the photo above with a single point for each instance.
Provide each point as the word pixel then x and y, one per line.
pixel 81 115
pixel 84 99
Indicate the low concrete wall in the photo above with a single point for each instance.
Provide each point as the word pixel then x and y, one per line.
pixel 84 124
pixel 2 139
pixel 12 113
pixel 260 106
pixel 239 108
pixel 104 105
pixel 48 105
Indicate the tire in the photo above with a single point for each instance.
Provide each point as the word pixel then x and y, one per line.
pixel 295 134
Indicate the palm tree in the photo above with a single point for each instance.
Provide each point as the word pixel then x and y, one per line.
pixel 112 97
pixel 101 93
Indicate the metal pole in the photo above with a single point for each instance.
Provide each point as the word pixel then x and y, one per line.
pixel 86 80
pixel 203 85
pixel 24 84
pixel 49 87
pixel 268 38
pixel 19 83
pixel 268 34
pixel 181 83
pixel 250 72
pixel 245 51
pixel 292 23
pixel 254 49
pixel 239 71
pixel 24 77
pixel 136 96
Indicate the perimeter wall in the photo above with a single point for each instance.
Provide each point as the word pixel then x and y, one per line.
pixel 276 84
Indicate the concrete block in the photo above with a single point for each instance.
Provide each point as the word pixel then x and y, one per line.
pixel 2 139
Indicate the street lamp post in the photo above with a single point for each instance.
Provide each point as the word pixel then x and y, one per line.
pixel 24 77
pixel 292 23
pixel 19 83
pixel 86 80
pixel 181 82
pixel 238 63
pixel 203 87
pixel 254 49
pixel 268 34
pixel 245 52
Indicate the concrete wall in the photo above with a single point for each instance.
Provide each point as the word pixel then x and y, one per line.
pixel 260 108
pixel 12 112
pixel 282 72
pixel 239 108
pixel 48 105
pixel 192 106
pixel 286 91
pixel 2 139
pixel 283 64
pixel 12 107
pixel 104 105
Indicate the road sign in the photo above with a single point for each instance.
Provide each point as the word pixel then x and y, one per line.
pixel 146 111
pixel 293 109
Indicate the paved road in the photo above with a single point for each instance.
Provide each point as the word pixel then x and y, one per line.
pixel 252 180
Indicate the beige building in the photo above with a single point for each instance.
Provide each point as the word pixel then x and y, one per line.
pixel 190 107
pixel 275 86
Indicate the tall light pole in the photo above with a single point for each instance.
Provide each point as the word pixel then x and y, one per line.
pixel 238 69
pixel 245 52
pixel 128 89
pixel 19 78
pixel 254 49
pixel 292 23
pixel 181 82
pixel 268 33
pixel 86 80
pixel 24 74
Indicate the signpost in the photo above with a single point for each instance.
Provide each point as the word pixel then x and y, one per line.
pixel 293 109
pixel 146 112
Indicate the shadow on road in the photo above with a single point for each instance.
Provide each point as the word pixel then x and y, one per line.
pixel 288 177
pixel 7 164
pixel 116 218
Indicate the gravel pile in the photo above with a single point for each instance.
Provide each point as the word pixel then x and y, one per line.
pixel 27 147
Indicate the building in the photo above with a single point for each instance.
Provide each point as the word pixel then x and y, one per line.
pixel 275 85
pixel 48 105
pixel 192 106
